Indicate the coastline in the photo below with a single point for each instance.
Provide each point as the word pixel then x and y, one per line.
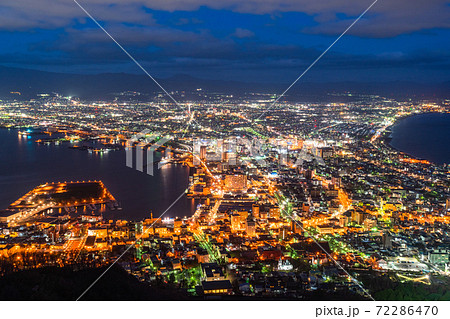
pixel 139 194
pixel 387 137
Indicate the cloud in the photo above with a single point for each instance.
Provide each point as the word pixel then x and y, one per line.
pixel 385 19
pixel 243 33
pixel 181 42
pixel 389 19
pixel 22 15
pixel 163 45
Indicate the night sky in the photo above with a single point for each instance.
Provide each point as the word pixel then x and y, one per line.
pixel 247 40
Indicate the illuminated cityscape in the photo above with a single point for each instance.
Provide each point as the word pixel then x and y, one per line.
pixel 257 150
pixel 310 200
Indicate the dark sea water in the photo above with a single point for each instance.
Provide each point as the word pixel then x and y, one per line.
pixel 426 136
pixel 24 164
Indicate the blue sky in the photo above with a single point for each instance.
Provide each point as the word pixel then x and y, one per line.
pixel 251 40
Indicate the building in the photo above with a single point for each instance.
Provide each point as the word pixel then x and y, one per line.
pixel 255 211
pixel 387 240
pixel 7 216
pixel 203 153
pixel 357 217
pixel 212 272
pixel 177 225
pixel 325 229
pixel 98 232
pixel 235 222
pixel 274 212
pixel 370 223
pixel 235 183
pixel 438 256
pixel 284 265
pixel 297 227
pixel 325 152
pixel 220 287
pixel 225 153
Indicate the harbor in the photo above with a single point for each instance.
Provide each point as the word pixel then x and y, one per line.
pixel 59 198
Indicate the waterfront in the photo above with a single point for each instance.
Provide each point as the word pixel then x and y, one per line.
pixel 26 164
pixel 364 207
pixel 425 136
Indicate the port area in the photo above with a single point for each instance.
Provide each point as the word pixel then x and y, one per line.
pixel 63 196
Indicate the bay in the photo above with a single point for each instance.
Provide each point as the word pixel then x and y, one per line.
pixel 25 164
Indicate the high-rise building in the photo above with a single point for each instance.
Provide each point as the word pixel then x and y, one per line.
pixel 235 222
pixel 274 212
pixel 297 227
pixel 235 183
pixel 255 211
pixel 203 153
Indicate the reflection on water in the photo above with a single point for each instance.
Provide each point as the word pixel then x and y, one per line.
pixel 25 164
pixel 426 136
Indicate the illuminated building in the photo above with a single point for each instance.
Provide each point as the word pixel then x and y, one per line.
pixel 203 153
pixel 345 219
pixel 297 227
pixel 7 216
pixel 263 214
pixel 235 183
pixel 387 240
pixel 243 214
pixel 220 287
pixel 284 265
pixel 235 222
pixel 325 229
pixel 244 224
pixel 196 153
pixel 251 228
pixel 305 207
pixel 274 212
pixel 255 211
pixel 325 152
pixel 439 256
pixel 98 232
pixel 369 223
pixel 225 152
pixel 358 217
pixel 212 272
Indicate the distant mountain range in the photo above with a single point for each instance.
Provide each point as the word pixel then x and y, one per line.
pixel 103 86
